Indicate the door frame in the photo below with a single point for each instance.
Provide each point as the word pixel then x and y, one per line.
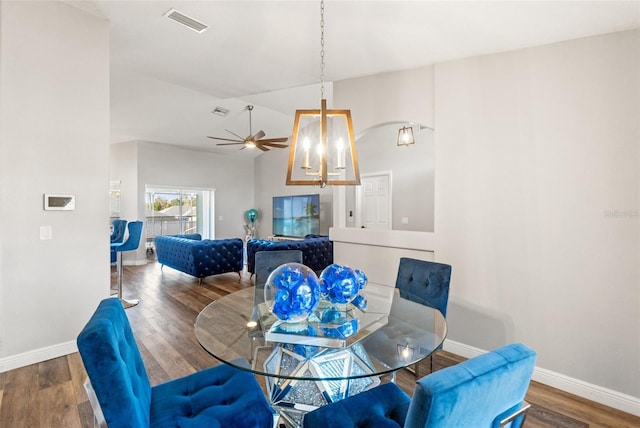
pixel 358 197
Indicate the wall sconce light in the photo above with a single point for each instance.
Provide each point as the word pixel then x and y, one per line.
pixel 323 146
pixel 405 136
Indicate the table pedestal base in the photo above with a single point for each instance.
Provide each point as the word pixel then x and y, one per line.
pixel 293 398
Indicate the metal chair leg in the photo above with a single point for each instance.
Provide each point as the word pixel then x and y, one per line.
pixel 126 303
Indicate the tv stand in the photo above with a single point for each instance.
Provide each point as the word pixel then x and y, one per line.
pixel 283 238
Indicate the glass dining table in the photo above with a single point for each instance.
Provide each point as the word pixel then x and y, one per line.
pixel 311 364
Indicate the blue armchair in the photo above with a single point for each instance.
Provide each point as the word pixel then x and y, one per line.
pixel 121 395
pixel 485 391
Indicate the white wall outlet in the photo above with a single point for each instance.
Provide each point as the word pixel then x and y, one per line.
pixel 405 220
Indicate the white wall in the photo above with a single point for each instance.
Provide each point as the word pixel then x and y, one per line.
pixel 535 149
pixel 405 96
pixel 137 164
pixel 412 169
pixel 537 199
pixel 398 96
pixel 54 114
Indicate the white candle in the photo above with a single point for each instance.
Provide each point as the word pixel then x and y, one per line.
pixel 305 144
pixel 340 152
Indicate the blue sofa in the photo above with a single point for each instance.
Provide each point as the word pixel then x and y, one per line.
pixel 197 257
pixel 317 251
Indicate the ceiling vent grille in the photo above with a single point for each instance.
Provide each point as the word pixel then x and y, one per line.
pixel 185 20
pixel 220 111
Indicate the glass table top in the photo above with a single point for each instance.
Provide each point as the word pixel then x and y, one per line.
pixel 391 334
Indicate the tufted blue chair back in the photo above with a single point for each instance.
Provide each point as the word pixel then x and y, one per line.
pixel 133 240
pixel 480 392
pixel 266 262
pixel 424 282
pixel 119 231
pixel 114 365
pixel 217 397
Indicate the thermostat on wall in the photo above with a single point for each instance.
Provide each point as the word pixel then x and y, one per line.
pixel 59 202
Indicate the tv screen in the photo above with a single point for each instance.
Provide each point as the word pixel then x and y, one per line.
pixel 296 216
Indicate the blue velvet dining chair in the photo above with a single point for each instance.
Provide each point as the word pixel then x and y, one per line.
pixel 121 395
pixel 487 391
pixel 118 232
pixel 131 244
pixel 266 262
pixel 426 283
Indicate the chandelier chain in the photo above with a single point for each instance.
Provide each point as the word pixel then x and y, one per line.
pixel 322 49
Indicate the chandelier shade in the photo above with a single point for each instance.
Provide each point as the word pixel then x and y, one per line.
pixel 323 148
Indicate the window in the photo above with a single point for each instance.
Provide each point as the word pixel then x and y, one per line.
pixel 172 211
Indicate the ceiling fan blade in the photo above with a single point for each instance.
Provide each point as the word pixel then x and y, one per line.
pixel 264 149
pixel 274 140
pixel 233 133
pixel 257 136
pixel 277 145
pixel 226 139
pixel 230 144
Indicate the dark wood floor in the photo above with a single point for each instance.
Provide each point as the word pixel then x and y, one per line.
pixel 50 394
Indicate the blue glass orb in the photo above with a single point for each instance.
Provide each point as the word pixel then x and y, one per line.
pixel 362 278
pixel 360 302
pixel 339 284
pixel 252 215
pixel 292 292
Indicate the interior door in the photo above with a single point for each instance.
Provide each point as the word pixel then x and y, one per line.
pixel 374 199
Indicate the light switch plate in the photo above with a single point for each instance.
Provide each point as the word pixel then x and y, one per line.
pixel 46 233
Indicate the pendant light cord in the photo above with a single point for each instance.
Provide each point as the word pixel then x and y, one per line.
pixel 321 49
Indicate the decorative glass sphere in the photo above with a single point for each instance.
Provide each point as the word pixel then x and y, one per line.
pixel 252 215
pixel 362 278
pixel 292 292
pixel 339 284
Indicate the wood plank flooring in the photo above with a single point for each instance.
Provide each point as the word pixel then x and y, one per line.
pixel 50 394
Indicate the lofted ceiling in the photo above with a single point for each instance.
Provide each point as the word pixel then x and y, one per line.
pixel 167 79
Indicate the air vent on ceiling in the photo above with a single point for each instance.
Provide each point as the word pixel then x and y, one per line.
pixel 185 20
pixel 220 111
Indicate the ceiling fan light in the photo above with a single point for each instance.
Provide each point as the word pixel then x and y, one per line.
pixel 254 140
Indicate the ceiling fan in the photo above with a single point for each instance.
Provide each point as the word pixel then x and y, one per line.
pixel 253 140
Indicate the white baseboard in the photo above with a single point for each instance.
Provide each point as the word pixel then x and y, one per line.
pixel 605 396
pixel 37 356
pixel 599 394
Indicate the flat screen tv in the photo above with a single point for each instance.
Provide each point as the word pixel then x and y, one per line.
pixel 296 216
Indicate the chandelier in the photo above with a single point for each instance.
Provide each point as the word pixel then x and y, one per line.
pixel 323 149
